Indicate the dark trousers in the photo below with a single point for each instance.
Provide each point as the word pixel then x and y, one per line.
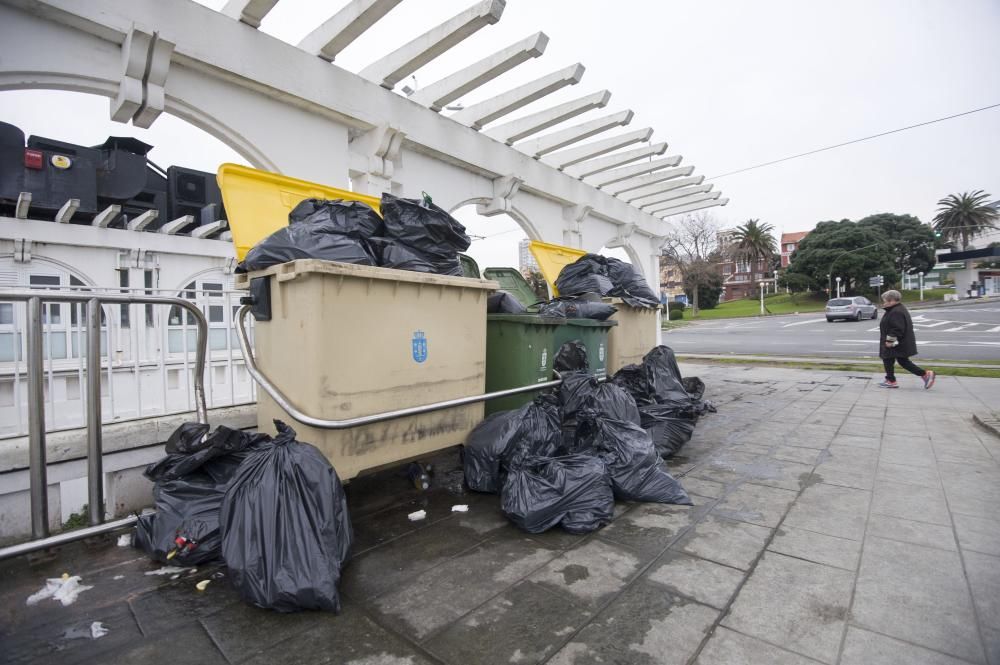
pixel 905 363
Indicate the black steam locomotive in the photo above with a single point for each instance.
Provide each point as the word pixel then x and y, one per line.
pixel 117 172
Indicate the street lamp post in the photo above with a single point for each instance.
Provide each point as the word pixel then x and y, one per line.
pixel 762 298
pixel 838 286
pixel 921 275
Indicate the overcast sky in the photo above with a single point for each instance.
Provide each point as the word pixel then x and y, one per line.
pixel 728 83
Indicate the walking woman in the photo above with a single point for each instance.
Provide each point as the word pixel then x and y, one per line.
pixel 897 342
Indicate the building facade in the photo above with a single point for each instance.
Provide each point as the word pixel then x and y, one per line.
pixel 789 243
pixel 526 262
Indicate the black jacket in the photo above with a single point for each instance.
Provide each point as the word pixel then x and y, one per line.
pixel 896 322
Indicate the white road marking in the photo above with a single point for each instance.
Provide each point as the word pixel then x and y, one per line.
pixel 961 327
pixel 801 323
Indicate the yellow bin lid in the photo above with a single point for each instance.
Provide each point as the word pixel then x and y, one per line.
pixel 258 202
pixel 552 259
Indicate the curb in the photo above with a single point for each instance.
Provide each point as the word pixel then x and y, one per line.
pixel 818 361
pixel 990 422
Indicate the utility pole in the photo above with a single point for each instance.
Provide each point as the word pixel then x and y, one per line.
pixel 921 274
pixel 762 298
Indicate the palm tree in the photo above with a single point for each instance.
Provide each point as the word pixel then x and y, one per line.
pixel 755 243
pixel 965 216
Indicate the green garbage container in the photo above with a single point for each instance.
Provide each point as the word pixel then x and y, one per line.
pixel 513 282
pixel 594 335
pixel 519 352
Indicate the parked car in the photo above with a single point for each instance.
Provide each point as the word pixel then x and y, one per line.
pixel 855 308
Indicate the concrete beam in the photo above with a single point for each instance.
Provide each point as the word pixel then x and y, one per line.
pixel 208 230
pixel 556 140
pixel 653 178
pixel 515 130
pixel 410 57
pixel 23 205
pixel 566 158
pixel 592 166
pixel 490 109
pixel 682 202
pixel 660 187
pixel 338 31
pixel 143 220
pixel 628 172
pixel 175 226
pixel 438 95
pixel 104 218
pixel 67 211
pixel 251 12
pixel 692 208
pixel 663 197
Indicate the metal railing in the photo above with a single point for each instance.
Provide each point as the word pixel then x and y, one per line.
pixel 148 353
pixel 37 471
pixel 321 423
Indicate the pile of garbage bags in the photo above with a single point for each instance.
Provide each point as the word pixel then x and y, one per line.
pixel 565 457
pixel 606 276
pixel 272 508
pixel 410 234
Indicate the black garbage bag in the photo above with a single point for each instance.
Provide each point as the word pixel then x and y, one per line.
pixel 571 490
pixel 504 437
pixel 502 302
pixel 588 274
pixel 630 285
pixel 632 379
pixel 637 473
pixel 694 386
pixel 572 308
pixel 184 530
pixel 571 357
pixel 668 429
pixel 188 450
pixel 286 532
pixel 351 218
pixel 325 230
pixel 610 401
pixel 190 483
pixel 593 273
pixel 426 230
pixel 576 393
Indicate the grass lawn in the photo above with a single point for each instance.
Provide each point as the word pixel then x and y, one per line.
pixel 782 303
pixel 778 303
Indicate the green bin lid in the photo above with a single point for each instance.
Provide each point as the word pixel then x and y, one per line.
pixel 528 319
pixel 469 266
pixel 514 283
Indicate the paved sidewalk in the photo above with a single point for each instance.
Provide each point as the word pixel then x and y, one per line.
pixel 835 522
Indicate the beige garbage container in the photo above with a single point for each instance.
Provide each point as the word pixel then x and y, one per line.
pixel 346 341
pixel 633 337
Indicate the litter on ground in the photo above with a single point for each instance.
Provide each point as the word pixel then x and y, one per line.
pixel 65 589
pixel 417 516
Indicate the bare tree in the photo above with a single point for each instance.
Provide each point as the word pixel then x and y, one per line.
pixel 692 243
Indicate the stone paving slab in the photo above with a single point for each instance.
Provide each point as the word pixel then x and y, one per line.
pixel 834 522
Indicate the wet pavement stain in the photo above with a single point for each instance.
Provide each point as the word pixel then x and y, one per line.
pixel 574 572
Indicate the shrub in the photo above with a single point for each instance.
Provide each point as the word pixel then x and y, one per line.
pixel 672 305
pixel 676 314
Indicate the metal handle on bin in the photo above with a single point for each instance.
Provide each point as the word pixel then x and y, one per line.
pixel 320 423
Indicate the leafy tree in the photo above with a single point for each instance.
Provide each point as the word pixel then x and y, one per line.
pixel 703 284
pixel 992 264
pixel 794 282
pixel 845 249
pixel 754 242
pixel 538 285
pixel 911 240
pixel 962 217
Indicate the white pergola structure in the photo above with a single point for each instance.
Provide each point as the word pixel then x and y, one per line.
pixel 284 107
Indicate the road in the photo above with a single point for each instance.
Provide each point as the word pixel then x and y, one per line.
pixel 966 332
